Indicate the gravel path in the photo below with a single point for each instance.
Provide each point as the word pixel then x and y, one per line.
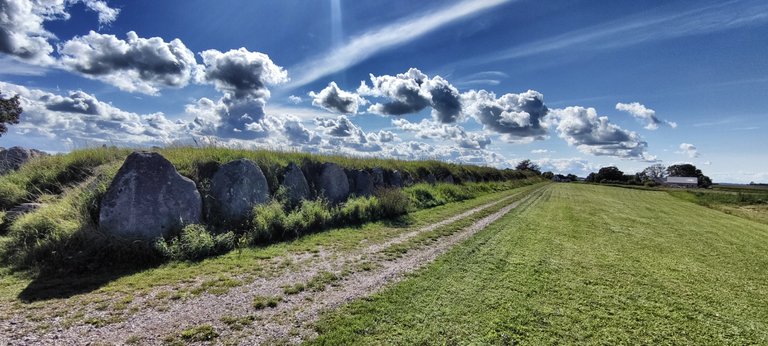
pixel 292 319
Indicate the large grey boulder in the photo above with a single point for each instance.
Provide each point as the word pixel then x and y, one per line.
pixel 148 198
pixel 295 183
pixel 12 159
pixel 378 177
pixel 235 188
pixel 331 182
pixel 362 182
pixel 431 179
pixel 395 179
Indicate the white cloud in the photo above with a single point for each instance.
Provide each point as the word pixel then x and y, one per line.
pixel 22 33
pixel 361 47
pixel 518 117
pixel 295 99
pixel 433 130
pixel 412 92
pixel 577 166
pixel 243 77
pixel 540 151
pixel 107 14
pixel 688 149
pixel 136 64
pixel 82 116
pixel 336 100
pixel 581 127
pixel 646 115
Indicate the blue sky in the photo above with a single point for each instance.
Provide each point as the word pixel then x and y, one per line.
pixel 573 85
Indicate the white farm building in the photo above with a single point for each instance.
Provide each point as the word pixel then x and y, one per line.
pixel 683 181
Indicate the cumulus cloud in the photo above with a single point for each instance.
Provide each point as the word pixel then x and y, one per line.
pixel 243 77
pixel 336 100
pixel 581 127
pixel 22 33
pixel 79 115
pixel 646 115
pixel 345 133
pixel 426 129
pixel 413 91
pixel 689 149
pixel 136 64
pixel 21 28
pixel 295 99
pixel 106 14
pixel 520 118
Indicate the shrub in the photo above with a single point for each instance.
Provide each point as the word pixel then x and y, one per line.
pixel 311 216
pixel 357 210
pixel 392 202
pixel 200 333
pixel 269 221
pixel 195 243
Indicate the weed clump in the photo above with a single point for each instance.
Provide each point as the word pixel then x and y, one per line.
pixel 262 302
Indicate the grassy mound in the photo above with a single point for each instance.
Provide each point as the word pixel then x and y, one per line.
pixel 63 235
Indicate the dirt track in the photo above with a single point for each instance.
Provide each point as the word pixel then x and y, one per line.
pixel 292 319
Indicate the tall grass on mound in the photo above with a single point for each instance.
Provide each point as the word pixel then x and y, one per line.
pixel 276 221
pixel 63 235
pixel 53 174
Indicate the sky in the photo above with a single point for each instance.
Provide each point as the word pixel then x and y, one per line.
pixel 572 85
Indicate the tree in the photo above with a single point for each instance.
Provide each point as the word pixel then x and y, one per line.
pixel 547 175
pixel 10 110
pixel 610 174
pixel 689 170
pixel 654 173
pixel 572 177
pixel 528 165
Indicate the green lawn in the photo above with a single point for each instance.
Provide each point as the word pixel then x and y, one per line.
pixel 585 264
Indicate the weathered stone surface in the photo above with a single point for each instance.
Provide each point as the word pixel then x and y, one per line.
pixel 431 179
pixel 408 180
pixel 296 186
pixel 148 198
pixel 19 210
pixel 236 187
pixel 331 182
pixel 11 159
pixel 377 174
pixel 362 182
pixel 394 178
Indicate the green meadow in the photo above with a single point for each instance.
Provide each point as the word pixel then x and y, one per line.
pixel 583 264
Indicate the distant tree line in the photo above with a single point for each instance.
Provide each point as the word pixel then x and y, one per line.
pixel 651 176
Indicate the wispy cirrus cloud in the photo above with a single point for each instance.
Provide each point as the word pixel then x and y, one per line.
pixel 637 29
pixel 383 38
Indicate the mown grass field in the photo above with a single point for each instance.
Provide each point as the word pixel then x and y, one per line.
pixel 584 264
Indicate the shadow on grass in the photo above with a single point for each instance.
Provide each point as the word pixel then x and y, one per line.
pixel 60 286
pixel 57 282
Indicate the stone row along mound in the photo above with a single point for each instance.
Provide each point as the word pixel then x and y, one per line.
pixel 11 159
pixel 148 198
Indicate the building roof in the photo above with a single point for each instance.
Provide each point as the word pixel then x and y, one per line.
pixel 682 180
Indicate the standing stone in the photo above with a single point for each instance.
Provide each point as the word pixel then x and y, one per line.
pixel 362 182
pixel 296 186
pixel 431 179
pixel 395 179
pixel 332 183
pixel 236 187
pixel 148 198
pixel 408 180
pixel 12 159
pixel 378 177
